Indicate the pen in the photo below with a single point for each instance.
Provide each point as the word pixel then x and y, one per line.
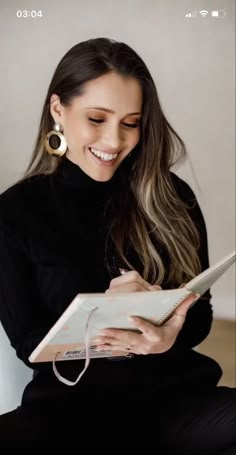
pixel 122 271
pixel 150 287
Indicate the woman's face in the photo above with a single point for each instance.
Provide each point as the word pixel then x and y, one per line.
pixel 104 121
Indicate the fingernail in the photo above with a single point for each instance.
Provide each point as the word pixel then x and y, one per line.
pixel 151 288
pixel 195 300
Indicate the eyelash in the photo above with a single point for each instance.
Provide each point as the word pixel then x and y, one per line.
pixel 135 125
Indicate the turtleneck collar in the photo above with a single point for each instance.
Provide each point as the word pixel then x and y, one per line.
pixel 72 176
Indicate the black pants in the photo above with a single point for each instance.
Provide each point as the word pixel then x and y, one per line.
pixel 194 423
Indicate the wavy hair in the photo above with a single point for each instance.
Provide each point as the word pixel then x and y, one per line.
pixel 151 217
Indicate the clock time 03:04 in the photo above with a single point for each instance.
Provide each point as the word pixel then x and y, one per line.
pixel 26 14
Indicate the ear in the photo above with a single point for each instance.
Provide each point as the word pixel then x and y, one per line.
pixel 56 109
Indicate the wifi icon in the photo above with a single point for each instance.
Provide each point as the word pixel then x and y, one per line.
pixel 203 13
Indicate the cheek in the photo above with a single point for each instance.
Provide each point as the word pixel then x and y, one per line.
pixel 88 135
pixel 134 138
pixel 77 133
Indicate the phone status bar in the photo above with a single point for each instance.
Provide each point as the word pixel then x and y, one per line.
pixel 219 14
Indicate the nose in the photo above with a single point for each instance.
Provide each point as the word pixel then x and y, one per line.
pixel 112 138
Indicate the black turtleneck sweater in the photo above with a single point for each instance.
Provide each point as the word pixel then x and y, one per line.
pixel 52 240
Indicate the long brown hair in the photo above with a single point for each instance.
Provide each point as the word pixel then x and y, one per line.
pixel 152 213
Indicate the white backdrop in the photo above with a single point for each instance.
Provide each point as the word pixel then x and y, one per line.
pixel 192 61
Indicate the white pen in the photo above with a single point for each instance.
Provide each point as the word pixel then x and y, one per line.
pixel 123 271
pixel 150 287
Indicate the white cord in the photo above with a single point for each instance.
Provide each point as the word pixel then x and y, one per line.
pixel 87 350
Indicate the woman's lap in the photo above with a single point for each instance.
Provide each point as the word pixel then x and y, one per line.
pixel 204 423
pixel 198 423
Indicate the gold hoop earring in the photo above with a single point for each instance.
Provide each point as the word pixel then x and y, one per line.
pixel 60 149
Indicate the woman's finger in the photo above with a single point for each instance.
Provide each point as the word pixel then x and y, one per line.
pixel 156 287
pixel 128 349
pixel 104 340
pixel 127 287
pixel 184 306
pixel 147 328
pixel 130 277
pixel 179 315
pixel 119 336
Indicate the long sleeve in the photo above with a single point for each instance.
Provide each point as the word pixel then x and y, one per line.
pixel 48 241
pixel 22 314
pixel 199 318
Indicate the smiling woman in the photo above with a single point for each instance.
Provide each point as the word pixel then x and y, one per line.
pixel 99 196
pixel 112 84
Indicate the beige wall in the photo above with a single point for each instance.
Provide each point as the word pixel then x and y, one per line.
pixel 192 62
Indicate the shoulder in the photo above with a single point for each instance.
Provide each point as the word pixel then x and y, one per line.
pixel 182 188
pixel 22 198
pixel 23 190
pixel 187 196
pixel 18 186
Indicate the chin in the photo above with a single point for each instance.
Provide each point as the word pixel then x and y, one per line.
pixel 102 176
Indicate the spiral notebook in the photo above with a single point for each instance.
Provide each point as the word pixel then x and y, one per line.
pixel 90 313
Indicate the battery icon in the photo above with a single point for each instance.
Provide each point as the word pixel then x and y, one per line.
pixel 220 13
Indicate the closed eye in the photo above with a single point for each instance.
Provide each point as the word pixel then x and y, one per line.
pixel 95 120
pixel 129 125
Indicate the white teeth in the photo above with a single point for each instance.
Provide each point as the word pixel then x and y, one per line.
pixel 104 156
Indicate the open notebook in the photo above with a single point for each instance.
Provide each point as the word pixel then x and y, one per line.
pixel 70 337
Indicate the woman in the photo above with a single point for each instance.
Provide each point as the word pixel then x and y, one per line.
pixel 99 195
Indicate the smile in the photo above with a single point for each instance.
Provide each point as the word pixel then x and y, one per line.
pixel 103 156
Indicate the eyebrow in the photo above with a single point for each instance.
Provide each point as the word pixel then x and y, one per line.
pixel 110 111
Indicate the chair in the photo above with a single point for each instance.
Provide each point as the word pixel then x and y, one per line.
pixel 14 375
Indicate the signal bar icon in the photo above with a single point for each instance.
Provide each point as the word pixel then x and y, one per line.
pixel 193 14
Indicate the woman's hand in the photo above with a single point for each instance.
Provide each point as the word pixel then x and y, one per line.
pixel 150 339
pixel 130 282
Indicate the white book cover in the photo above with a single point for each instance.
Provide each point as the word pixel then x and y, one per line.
pixel 93 312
